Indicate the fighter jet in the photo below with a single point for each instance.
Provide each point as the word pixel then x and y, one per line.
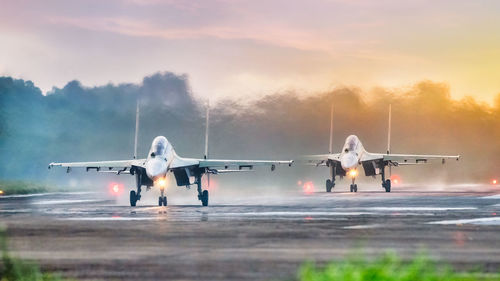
pixel 354 155
pixel 162 159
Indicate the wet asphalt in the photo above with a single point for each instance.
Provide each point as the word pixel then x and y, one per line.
pixel 90 235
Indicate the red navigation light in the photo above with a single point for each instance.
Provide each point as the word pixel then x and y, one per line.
pixel 308 187
pixel 115 188
pixel 395 179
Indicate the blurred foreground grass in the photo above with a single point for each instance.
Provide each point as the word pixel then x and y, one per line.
pixel 388 267
pixel 26 187
pixel 14 269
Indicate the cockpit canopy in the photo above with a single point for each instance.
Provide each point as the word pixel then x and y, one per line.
pixel 351 143
pixel 159 146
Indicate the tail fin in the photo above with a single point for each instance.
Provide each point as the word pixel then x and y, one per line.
pixel 206 129
pixel 136 128
pixel 389 130
pixel 330 147
pixel 389 137
pixel 206 138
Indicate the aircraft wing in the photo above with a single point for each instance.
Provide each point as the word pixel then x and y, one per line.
pixel 320 159
pixel 407 159
pixel 98 165
pixel 218 163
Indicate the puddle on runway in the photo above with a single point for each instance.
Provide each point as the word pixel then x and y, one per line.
pixel 112 218
pixel 477 221
pixel 295 213
pixel 402 209
pixel 75 201
pixel 363 226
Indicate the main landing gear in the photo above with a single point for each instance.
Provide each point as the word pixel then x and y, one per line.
pixel 202 194
pixel 135 196
pixel 386 183
pixel 330 183
pixel 162 200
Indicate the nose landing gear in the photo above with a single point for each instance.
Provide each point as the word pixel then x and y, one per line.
pixel 162 200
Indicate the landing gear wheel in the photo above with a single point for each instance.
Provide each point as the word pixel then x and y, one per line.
pixel 355 188
pixel 387 186
pixel 133 198
pixel 352 188
pixel 329 185
pixel 204 198
pixel 162 201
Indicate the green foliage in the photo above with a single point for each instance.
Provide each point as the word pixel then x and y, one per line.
pixel 24 187
pixel 388 267
pixel 14 269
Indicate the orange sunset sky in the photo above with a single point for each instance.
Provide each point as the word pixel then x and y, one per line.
pixel 245 48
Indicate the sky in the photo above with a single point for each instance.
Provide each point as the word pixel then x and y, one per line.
pixel 243 49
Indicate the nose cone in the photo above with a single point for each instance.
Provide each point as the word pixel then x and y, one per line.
pixel 156 168
pixel 349 161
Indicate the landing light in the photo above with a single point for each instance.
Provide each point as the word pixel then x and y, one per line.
pixel 353 173
pixel 162 182
pixel 1 192
pixel 494 181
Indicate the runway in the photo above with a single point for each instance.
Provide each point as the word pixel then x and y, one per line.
pixel 88 235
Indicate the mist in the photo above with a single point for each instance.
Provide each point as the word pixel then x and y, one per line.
pixel 79 123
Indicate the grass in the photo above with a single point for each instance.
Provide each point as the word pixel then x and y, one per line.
pixel 14 269
pixel 388 267
pixel 25 187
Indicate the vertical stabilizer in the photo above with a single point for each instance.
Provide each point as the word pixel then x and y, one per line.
pixel 136 128
pixel 207 118
pixel 330 146
pixel 389 137
pixel 389 130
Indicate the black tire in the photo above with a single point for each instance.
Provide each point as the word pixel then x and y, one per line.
pixel 164 200
pixel 328 185
pixel 204 198
pixel 355 188
pixel 133 198
pixel 351 188
pixel 387 186
pixel 160 201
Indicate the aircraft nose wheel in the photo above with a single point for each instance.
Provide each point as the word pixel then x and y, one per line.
pixel 354 188
pixel 162 201
pixel 329 185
